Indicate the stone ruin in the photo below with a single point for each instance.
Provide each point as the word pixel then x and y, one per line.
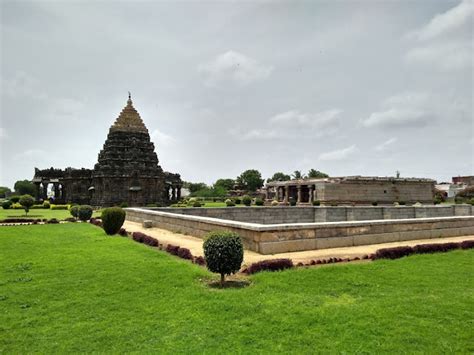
pixel 127 171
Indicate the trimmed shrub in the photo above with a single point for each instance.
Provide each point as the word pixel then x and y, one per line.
pixel 199 260
pixel 85 212
pixel 172 249
pixel 138 236
pixel 14 198
pixel 52 221
pixel 402 203
pixel 70 219
pixel 96 221
pixel 196 204
pixel 16 206
pixel 270 265
pixel 27 201
pixel 246 200
pixel 275 203
pixel 223 252
pixel 74 211
pixel 375 203
pixel 237 201
pixel 229 203
pixel 433 248
pixel 317 203
pixel 7 204
pixel 185 253
pixel 112 219
pixel 393 253
pixel 123 232
pixel 144 238
pixel 467 244
pixel 124 205
pixel 46 205
pixel 259 202
pixel 59 207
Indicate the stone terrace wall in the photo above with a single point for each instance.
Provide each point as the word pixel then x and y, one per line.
pixel 273 239
pixel 281 215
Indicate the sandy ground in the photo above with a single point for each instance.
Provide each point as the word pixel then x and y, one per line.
pixel 195 245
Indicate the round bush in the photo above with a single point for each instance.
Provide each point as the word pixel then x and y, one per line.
pixel 259 202
pixel 196 204
pixel 112 220
pixel 74 211
pixel 229 203
pixel 375 203
pixel 316 203
pixel 124 205
pixel 275 203
pixel 85 212
pixel 46 204
pixel 246 200
pixel 223 252
pixel 7 204
pixel 15 198
pixel 237 201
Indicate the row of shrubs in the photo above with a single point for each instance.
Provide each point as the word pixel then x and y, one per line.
pixel 30 220
pixel 400 252
pixel 16 205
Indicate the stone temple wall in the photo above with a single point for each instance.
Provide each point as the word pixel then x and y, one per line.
pixel 283 214
pixel 280 238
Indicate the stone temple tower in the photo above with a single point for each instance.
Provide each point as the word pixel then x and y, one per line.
pixel 127 170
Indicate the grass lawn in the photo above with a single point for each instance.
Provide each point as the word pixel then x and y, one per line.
pixel 37 213
pixel 70 288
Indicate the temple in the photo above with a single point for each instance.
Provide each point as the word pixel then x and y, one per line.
pixel 127 171
pixel 352 190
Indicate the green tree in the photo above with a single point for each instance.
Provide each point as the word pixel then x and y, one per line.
pixel 4 191
pixel 196 186
pixel 24 187
pixel 250 180
pixel 316 174
pixel 279 176
pixel 297 174
pixel 27 201
pixel 226 184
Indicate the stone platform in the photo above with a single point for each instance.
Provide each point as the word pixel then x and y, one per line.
pixel 273 238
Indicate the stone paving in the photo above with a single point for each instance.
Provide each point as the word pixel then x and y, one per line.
pixel 195 245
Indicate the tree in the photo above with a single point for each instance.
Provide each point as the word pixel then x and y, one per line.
pixel 4 191
pixel 27 201
pixel 226 184
pixel 196 186
pixel 279 176
pixel 250 180
pixel 224 253
pixel 316 174
pixel 24 187
pixel 297 175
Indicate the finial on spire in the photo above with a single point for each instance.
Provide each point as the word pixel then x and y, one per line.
pixel 129 96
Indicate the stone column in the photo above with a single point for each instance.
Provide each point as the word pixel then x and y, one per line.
pixel 298 200
pixel 45 190
pixel 37 191
pixel 310 193
pixel 56 191
pixel 173 193
pixel 178 192
pixel 286 194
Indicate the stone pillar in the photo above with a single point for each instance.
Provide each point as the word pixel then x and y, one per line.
pixel 310 193
pixel 45 190
pixel 37 191
pixel 298 200
pixel 178 192
pixel 286 194
pixel 56 191
pixel 173 193
pixel 277 193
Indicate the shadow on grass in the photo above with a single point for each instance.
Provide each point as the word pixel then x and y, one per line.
pixel 229 284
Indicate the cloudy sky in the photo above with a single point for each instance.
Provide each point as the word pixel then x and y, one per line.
pixel 346 87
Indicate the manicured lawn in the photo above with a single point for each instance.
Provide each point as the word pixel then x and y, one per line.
pixel 37 213
pixel 69 288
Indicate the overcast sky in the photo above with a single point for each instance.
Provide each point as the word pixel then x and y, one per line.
pixel 346 87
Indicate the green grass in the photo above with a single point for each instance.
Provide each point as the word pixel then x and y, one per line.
pixel 37 213
pixel 70 288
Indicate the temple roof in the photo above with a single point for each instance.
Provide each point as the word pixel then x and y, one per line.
pixel 129 120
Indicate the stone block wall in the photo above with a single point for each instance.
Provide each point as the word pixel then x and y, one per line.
pixel 272 239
